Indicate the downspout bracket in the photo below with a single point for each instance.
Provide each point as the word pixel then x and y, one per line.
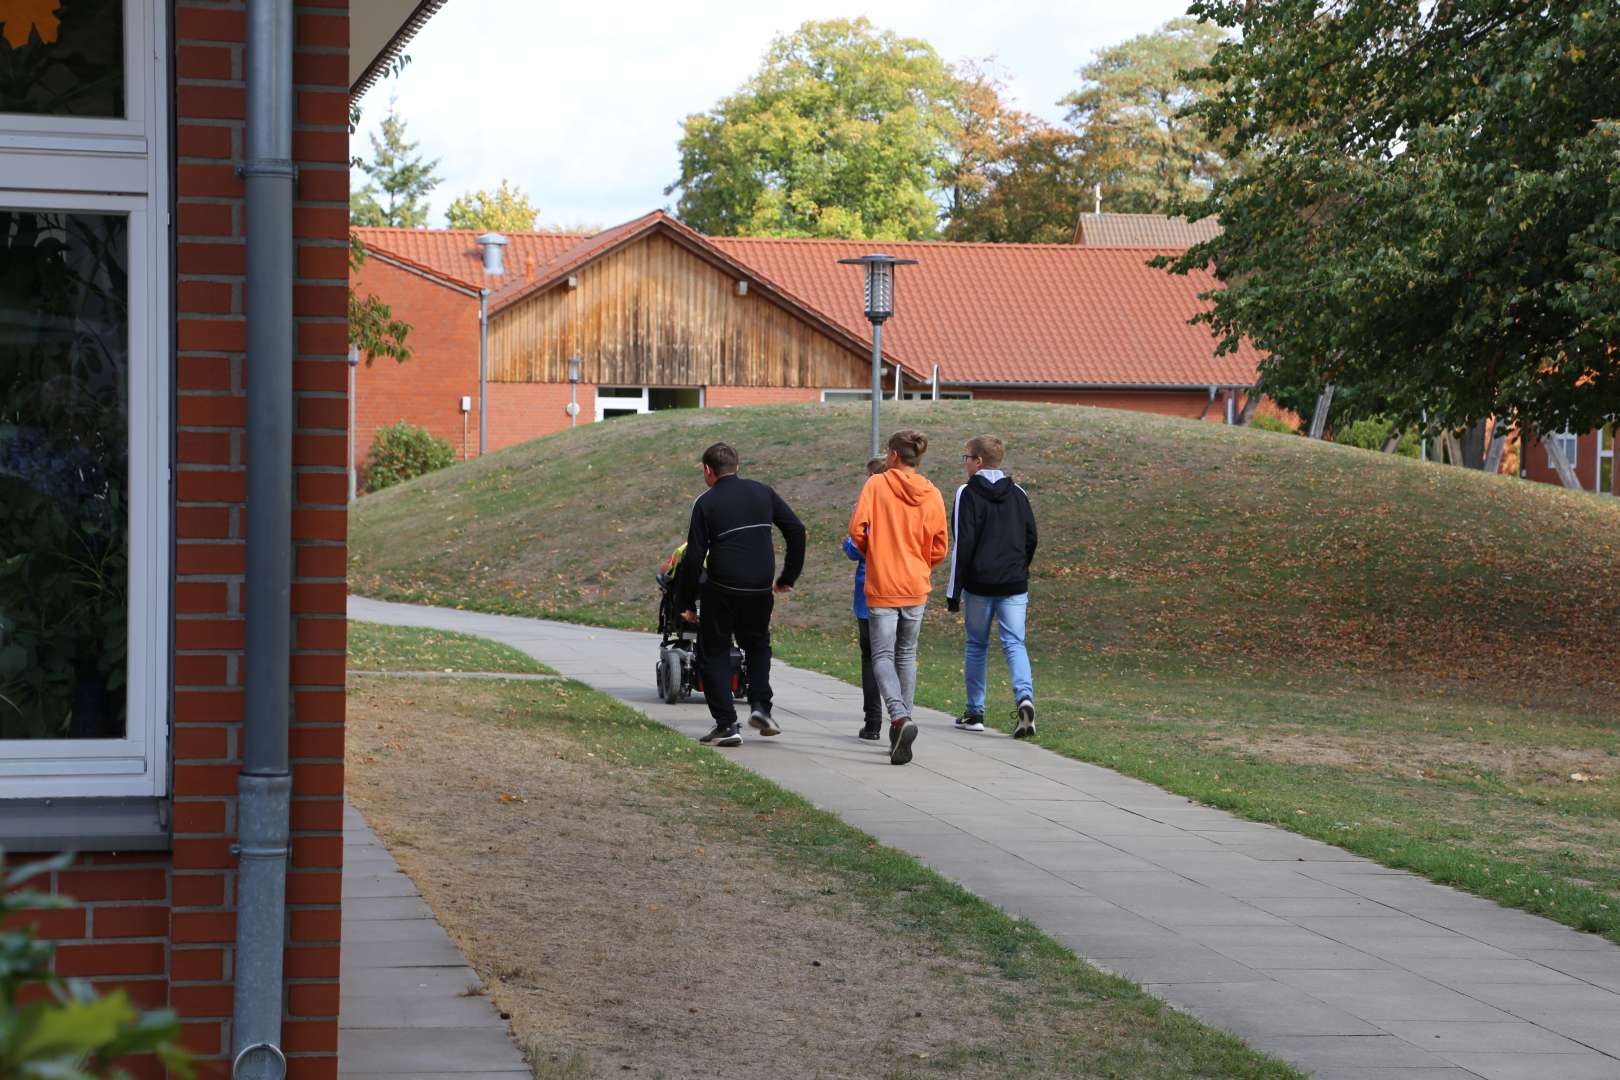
pixel 280 168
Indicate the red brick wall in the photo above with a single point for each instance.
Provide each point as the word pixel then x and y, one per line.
pixel 1534 463
pixel 722 397
pixel 425 390
pixel 519 412
pixel 164 924
pixel 1188 404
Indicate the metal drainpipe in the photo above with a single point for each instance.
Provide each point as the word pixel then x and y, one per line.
pixel 483 372
pixel 265 784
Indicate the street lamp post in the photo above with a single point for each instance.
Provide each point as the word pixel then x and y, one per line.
pixel 879 307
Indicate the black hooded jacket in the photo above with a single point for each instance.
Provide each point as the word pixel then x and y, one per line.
pixel 995 539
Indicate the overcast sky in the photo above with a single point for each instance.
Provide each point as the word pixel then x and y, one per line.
pixel 580 104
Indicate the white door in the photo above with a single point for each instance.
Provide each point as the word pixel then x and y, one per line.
pixel 614 401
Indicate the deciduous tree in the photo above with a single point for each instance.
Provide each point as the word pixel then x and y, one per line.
pixel 846 130
pixel 1431 210
pixel 506 209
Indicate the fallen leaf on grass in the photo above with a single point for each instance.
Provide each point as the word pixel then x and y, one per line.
pixel 1584 778
pixel 510 797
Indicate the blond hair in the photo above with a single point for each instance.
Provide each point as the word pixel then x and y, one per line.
pixel 988 449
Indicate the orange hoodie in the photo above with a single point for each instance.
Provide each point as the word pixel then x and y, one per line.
pixel 899 525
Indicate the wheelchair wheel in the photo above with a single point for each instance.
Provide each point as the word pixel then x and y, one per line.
pixel 669 684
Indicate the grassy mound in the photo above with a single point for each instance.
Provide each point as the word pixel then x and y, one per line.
pixel 1161 540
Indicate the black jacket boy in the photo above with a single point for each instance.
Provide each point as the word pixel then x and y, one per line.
pixel 995 538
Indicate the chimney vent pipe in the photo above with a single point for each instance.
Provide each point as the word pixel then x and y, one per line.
pixel 492 243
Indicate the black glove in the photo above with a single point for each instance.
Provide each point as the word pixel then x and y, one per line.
pixel 953 604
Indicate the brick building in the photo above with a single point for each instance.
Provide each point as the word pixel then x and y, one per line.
pixel 161 156
pixel 660 316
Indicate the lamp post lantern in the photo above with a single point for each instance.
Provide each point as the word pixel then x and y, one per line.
pixel 879 307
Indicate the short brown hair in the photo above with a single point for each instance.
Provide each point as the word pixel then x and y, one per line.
pixel 909 445
pixel 877 465
pixel 721 458
pixel 988 449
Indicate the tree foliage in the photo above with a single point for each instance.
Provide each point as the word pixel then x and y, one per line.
pixel 1136 137
pixel 506 209
pixel 373 330
pixel 399 179
pixel 1431 209
pixel 845 130
pixel 1014 178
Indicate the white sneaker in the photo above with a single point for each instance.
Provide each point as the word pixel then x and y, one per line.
pixel 1026 720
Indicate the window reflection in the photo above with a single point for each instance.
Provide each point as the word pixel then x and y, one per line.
pixel 64 454
pixel 62 57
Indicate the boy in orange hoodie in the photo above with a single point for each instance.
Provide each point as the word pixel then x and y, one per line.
pixel 899 526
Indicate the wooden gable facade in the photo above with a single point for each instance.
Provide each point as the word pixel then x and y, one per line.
pixel 658 311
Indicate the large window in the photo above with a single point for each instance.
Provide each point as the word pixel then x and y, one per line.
pixel 84 361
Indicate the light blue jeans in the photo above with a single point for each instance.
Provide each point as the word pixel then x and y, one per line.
pixel 1008 613
pixel 894 634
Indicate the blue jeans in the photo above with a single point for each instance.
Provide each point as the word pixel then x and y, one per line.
pixel 1008 612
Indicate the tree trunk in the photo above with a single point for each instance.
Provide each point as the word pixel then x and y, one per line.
pixel 1473 446
pixel 1493 456
pixel 1251 404
pixel 1561 465
pixel 1453 448
pixel 1319 419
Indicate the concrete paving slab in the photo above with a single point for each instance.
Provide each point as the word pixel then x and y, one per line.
pixel 1262 1008
pixel 406 1008
pixel 1475 1037
pixel 1539 1066
pixel 1181 896
pixel 1390 995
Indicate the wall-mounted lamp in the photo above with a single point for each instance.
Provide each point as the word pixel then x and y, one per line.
pixel 574 365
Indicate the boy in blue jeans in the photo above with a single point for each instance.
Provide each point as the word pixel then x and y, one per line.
pixel 871 700
pixel 994 529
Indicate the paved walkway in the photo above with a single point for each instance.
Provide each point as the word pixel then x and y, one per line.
pixel 1341 966
pixel 405 1011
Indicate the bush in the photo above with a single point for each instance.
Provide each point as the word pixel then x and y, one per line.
pixel 1369 434
pixel 70 1032
pixel 401 452
pixel 1271 423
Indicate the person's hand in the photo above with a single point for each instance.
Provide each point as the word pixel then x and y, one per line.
pixel 780 588
pixel 953 604
pixel 689 615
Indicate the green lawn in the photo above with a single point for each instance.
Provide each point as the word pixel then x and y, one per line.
pixel 373 647
pixel 1097 1025
pixel 1407 660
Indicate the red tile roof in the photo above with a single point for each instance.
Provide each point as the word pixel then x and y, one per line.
pixel 455 252
pixel 1036 314
pixel 1018 313
pixel 1143 231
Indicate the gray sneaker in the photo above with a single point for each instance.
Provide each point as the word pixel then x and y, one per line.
pixel 723 735
pixel 1026 720
pixel 760 720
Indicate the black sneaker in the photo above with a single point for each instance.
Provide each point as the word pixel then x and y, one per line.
pixel 723 735
pixel 872 731
pixel 1025 715
pixel 902 735
pixel 970 721
pixel 759 718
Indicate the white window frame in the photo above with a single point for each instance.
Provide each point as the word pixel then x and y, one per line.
pixel 1605 451
pixel 851 394
pixel 116 166
pixel 642 403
